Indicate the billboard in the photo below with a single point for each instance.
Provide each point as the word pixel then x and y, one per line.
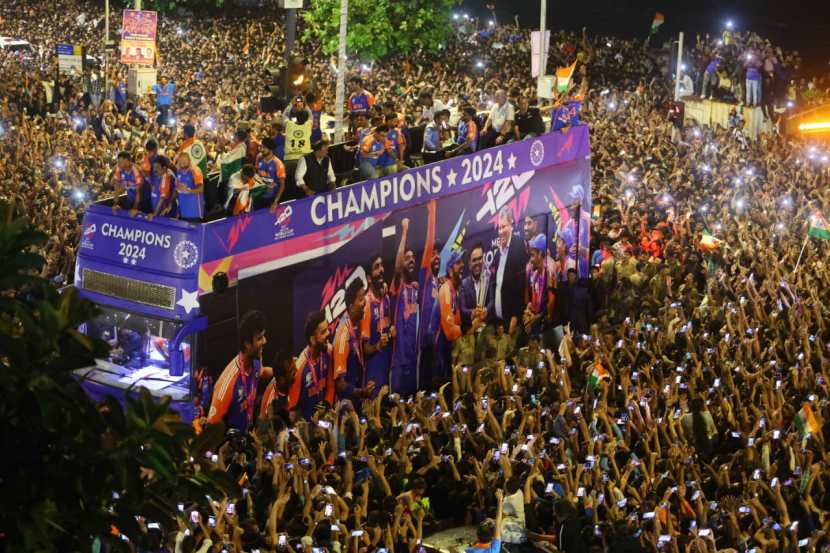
pixel 138 37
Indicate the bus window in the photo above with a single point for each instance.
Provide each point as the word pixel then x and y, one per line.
pixel 139 349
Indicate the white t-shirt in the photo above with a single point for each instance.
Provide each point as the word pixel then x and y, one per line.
pixel 500 114
pixel 513 525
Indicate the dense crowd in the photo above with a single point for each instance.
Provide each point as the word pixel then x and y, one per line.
pixel 684 407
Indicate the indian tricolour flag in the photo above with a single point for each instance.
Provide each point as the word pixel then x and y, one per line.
pixel 231 162
pixel 819 227
pixel 656 22
pixel 563 77
pixel 806 421
pixel 709 243
pixel 598 374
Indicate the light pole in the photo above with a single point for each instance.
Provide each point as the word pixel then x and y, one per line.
pixel 679 66
pixel 543 52
pixel 106 46
pixel 340 93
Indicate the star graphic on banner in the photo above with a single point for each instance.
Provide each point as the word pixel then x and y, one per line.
pixel 189 301
pixel 451 177
pixel 125 260
pixel 511 161
pixel 132 261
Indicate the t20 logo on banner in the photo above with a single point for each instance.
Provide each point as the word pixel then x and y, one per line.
pixel 334 292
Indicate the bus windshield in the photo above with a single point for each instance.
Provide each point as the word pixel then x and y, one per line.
pixel 139 352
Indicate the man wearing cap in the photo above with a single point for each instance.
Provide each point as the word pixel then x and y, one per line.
pixel 314 173
pixel 450 315
pixel 297 105
pixel 272 171
pixel 539 289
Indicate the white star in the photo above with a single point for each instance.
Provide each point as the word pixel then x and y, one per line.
pixel 132 261
pixel 511 161
pixel 189 301
pixel 126 260
pixel 451 177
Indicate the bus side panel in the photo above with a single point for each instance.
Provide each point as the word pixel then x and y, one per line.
pixel 219 342
pixel 271 293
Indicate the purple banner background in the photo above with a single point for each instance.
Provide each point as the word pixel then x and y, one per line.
pixel 548 196
pixel 355 202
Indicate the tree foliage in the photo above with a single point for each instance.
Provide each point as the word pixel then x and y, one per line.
pixel 380 27
pixel 72 469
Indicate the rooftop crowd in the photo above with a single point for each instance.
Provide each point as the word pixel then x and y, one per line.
pixel 685 408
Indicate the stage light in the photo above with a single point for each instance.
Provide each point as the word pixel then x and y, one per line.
pixel 729 24
pixel 815 127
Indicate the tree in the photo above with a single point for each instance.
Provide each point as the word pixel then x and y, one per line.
pixel 381 27
pixel 72 469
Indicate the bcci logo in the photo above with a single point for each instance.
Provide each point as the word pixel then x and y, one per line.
pixel 537 153
pixel 186 254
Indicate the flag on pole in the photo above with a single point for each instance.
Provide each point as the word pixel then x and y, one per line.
pixel 231 162
pixel 563 77
pixel 709 243
pixel 805 421
pixel 656 22
pixel 819 227
pixel 598 374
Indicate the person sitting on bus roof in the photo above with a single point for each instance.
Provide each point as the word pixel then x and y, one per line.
pixel 234 395
pixel 272 171
pixel 315 173
pixel 190 187
pixel 392 159
pixel 151 149
pixel 127 178
pixel 245 187
pixel 162 188
pixel 372 148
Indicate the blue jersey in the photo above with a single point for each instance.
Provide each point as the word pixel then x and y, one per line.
pixel 405 350
pixel 234 395
pixel 348 355
pixel 395 137
pixel 279 151
pixel 378 318
pixel 164 94
pixel 161 190
pixel 273 171
pixel 191 206
pixel 314 382
pixel 316 131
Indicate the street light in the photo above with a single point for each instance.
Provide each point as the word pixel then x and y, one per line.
pixel 729 24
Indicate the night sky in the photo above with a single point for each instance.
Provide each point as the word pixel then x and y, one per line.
pixel 803 25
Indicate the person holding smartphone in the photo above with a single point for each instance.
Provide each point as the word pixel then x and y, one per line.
pixel 488 533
